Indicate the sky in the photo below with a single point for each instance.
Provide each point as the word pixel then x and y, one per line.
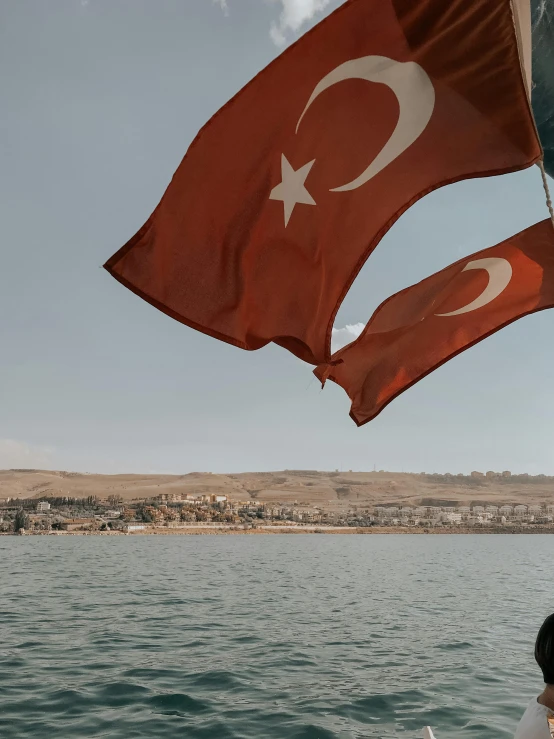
pixel 100 100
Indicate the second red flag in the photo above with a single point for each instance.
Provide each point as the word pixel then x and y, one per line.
pixel 415 331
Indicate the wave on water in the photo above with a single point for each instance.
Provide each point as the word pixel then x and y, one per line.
pixel 268 637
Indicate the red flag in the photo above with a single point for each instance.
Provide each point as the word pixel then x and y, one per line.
pixel 415 331
pixel 288 189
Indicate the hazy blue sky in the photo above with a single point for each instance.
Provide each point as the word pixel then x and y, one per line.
pixel 100 99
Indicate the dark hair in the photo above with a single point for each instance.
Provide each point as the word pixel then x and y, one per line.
pixel 544 650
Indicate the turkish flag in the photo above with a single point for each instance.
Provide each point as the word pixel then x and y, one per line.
pixel 287 190
pixel 415 331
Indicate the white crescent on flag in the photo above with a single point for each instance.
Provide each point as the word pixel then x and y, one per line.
pixel 416 99
pixel 500 274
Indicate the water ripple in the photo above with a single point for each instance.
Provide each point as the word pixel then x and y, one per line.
pixel 277 637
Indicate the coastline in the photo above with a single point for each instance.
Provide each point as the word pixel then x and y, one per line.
pixel 295 530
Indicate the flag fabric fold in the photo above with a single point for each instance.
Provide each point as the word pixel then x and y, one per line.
pixel 285 193
pixel 420 328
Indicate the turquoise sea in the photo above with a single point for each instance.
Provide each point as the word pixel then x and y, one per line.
pixel 292 637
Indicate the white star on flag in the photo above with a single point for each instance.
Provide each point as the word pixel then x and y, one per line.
pixel 291 190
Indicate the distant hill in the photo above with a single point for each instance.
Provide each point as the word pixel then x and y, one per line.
pixel 307 487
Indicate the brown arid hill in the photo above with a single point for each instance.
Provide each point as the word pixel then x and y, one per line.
pixel 331 490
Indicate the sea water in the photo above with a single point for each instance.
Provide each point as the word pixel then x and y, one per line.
pixel 285 636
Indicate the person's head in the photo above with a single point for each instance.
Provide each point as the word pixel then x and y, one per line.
pixel 544 650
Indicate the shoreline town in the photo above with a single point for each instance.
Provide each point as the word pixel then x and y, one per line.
pixel 190 511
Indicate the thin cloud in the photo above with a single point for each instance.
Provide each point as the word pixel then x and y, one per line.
pixel 293 15
pixel 340 337
pixel 223 5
